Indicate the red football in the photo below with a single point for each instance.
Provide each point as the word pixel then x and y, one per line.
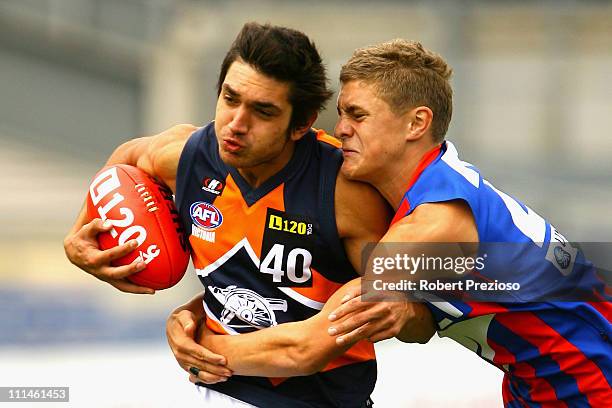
pixel 140 207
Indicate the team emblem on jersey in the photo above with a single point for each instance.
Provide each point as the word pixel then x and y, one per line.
pixel 247 306
pixel 560 252
pixel 562 257
pixel 212 185
pixel 206 215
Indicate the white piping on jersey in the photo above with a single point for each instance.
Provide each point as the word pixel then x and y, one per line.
pixel 244 243
pixel 313 304
pixel 451 157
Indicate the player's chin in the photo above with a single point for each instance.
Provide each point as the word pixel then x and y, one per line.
pixel 350 170
pixel 233 159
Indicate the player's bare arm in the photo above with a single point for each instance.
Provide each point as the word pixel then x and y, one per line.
pixel 362 217
pixel 437 222
pixel 286 350
pixel 372 320
pixel 157 155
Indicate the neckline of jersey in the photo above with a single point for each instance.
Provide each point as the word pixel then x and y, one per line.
pixel 425 161
pixel 252 195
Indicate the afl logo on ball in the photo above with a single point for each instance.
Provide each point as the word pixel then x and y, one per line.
pixel 206 215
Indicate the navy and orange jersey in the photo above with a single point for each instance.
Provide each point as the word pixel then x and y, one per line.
pixel 270 255
pixel 553 353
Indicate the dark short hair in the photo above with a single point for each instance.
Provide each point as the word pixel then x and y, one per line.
pixel 286 55
pixel 406 75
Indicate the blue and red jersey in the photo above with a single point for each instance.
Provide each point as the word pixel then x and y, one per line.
pixel 554 353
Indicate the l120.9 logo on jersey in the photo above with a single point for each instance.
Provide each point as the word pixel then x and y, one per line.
pixel 287 249
pixel 206 215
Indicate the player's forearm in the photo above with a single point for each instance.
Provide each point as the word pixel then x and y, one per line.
pixel 287 350
pixel 281 351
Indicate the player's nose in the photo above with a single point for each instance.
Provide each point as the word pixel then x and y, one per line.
pixel 240 121
pixel 343 129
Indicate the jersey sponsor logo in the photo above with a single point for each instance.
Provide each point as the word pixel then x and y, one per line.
pixel 206 215
pixel 213 185
pixel 287 249
pixel 283 223
pixel 242 306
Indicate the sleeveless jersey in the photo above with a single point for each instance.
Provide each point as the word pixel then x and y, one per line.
pixel 553 353
pixel 270 255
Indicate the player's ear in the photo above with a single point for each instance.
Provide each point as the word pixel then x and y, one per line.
pixel 299 132
pixel 418 122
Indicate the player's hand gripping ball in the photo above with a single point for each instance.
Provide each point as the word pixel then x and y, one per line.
pixel 141 208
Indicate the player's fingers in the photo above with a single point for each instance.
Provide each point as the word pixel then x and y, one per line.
pixel 350 324
pixel 196 380
pixel 382 335
pixel 351 293
pixel 96 226
pixel 350 306
pixel 360 333
pixel 188 346
pixel 187 321
pixel 187 362
pixel 210 357
pixel 208 378
pixel 129 287
pixel 121 272
pixel 120 250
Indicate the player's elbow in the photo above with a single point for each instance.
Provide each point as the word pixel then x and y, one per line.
pixel 128 152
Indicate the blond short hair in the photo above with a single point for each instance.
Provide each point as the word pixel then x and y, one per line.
pixel 405 75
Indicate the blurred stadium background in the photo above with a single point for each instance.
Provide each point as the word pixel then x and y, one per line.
pixel 533 105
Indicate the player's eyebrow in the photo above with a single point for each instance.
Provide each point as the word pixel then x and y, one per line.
pixel 227 88
pixel 270 106
pixel 351 109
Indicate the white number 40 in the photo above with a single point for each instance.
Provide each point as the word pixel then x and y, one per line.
pixel 273 264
